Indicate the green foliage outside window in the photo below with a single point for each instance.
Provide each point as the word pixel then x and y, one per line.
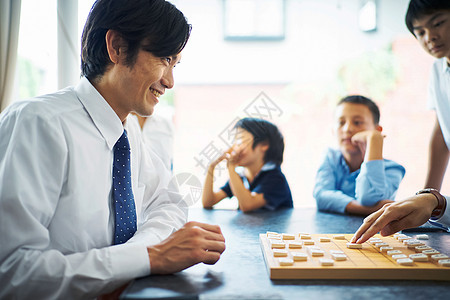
pixel 373 74
pixel 30 78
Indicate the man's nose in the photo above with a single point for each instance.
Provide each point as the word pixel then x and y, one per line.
pixel 167 80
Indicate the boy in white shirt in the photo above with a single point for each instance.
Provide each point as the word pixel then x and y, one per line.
pixel 429 22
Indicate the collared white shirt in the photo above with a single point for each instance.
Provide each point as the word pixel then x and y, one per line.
pixel 158 135
pixel 56 212
pixel 439 95
pixel 439 100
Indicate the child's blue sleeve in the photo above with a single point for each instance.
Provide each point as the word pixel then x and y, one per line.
pixel 378 180
pixel 227 189
pixel 326 192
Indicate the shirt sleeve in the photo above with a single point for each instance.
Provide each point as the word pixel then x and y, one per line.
pixel 445 219
pixel 378 180
pixel 431 104
pixel 227 189
pixel 328 197
pixel 275 190
pixel 33 160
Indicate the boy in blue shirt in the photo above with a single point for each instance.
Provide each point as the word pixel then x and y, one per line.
pixel 259 149
pixel 356 179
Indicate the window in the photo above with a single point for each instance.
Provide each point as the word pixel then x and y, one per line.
pixel 36 59
pixel 36 70
pixel 254 19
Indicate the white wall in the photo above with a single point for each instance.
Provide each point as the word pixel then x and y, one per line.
pixel 320 34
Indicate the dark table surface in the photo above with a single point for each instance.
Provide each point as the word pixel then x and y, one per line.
pixel 241 272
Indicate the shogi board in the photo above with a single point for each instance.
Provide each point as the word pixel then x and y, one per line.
pixel 365 263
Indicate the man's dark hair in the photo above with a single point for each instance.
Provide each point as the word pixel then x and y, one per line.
pixel 419 8
pixel 357 99
pixel 265 132
pixel 156 26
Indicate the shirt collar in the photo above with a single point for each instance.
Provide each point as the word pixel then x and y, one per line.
pixel 268 166
pixel 343 162
pixel 101 113
pixel 345 167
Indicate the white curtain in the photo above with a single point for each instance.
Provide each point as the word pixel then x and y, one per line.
pixel 9 37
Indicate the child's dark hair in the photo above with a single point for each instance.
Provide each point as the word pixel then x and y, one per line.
pixel 265 132
pixel 419 8
pixel 357 99
pixel 155 26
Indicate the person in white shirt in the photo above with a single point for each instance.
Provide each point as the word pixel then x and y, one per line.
pixel 429 22
pixel 57 217
pixel 158 133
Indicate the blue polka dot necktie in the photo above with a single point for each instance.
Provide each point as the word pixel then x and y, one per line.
pixel 125 210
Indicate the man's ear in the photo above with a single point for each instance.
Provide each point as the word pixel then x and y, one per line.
pixel 114 46
pixel 379 128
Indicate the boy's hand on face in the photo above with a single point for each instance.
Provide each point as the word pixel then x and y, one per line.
pixel 233 158
pixel 360 140
pixel 369 140
pixel 362 137
pixel 220 158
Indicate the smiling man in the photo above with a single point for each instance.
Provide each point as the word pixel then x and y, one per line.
pixel 84 208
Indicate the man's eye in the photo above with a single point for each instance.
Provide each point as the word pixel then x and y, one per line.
pixel 168 59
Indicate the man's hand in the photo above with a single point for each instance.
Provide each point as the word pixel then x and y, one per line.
pixel 194 243
pixel 396 216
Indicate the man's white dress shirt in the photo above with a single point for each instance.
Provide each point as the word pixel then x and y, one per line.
pixel 56 212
